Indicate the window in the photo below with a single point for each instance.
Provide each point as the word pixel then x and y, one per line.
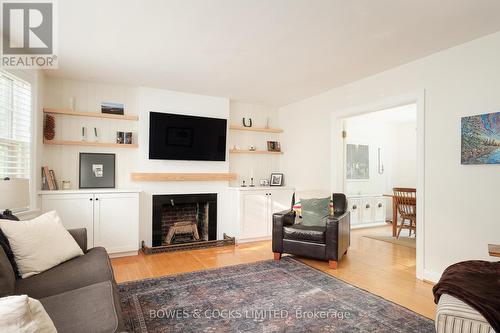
pixel 15 126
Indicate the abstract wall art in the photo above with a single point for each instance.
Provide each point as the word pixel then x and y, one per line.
pixel 481 139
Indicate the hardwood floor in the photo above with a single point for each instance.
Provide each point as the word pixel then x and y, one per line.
pixel 382 268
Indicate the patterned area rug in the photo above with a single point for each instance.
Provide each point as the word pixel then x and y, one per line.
pixel 261 297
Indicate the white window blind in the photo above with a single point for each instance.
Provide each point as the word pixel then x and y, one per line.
pixel 15 126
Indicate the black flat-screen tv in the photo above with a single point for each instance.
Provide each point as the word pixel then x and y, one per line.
pixel 179 137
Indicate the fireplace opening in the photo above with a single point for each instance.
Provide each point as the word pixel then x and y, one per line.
pixel 184 218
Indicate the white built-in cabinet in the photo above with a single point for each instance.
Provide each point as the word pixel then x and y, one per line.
pixel 110 217
pixel 366 210
pixel 254 209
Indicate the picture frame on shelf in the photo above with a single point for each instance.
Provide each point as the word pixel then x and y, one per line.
pixel 113 108
pixel 274 146
pixel 120 137
pixel 97 170
pixel 276 179
pixel 128 138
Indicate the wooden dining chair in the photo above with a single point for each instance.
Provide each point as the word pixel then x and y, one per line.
pixel 406 202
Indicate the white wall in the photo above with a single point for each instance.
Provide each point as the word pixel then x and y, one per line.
pixel 398 143
pixel 404 162
pixel 376 135
pixel 246 165
pixel 460 203
pixel 140 101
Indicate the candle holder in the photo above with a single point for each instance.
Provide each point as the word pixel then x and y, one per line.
pixel 251 183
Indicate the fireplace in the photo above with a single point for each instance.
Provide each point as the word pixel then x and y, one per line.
pixel 184 218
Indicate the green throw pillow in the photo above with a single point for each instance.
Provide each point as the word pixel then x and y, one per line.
pixel 315 211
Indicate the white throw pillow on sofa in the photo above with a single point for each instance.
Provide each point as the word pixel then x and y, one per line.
pixel 39 244
pixel 24 314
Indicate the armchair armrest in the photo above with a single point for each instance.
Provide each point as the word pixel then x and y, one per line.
pixel 281 219
pixel 284 218
pixel 338 235
pixel 80 236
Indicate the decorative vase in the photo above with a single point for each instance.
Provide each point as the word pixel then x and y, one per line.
pixel 49 127
pixel 245 122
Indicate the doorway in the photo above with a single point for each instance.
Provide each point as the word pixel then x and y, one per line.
pixel 375 148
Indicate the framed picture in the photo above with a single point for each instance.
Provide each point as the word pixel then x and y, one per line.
pixel 97 170
pixel 120 137
pixel 112 108
pixel 276 179
pixel 481 139
pixel 128 138
pixel 273 146
pixel 357 162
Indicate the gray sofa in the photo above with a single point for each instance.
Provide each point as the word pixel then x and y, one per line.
pixel 79 295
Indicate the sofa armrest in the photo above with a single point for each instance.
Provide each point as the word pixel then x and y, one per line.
pixel 338 235
pixel 280 220
pixel 80 236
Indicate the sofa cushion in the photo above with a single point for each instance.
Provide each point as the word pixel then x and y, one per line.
pixel 299 232
pixel 39 244
pixel 7 277
pixel 93 308
pixel 79 272
pixel 24 314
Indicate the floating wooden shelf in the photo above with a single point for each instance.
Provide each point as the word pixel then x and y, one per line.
pixel 90 114
pixel 144 177
pixel 241 151
pixel 256 129
pixel 89 143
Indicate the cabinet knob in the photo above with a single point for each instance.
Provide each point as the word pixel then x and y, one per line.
pixel 367 205
pixel 354 207
pixel 90 199
pixel 96 199
pixel 379 205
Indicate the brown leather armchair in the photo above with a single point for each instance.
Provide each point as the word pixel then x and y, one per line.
pixel 330 242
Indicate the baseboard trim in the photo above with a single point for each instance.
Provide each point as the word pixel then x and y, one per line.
pixel 368 225
pixel 123 254
pixel 249 240
pixel 430 276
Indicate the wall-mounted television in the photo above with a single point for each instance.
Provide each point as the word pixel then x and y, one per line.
pixel 180 137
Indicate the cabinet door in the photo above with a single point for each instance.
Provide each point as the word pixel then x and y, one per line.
pixel 379 206
pixel 116 221
pixel 75 211
pixel 354 208
pixel 254 215
pixel 367 210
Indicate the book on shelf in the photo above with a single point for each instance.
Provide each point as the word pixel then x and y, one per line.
pixel 53 179
pixel 45 183
pixel 48 179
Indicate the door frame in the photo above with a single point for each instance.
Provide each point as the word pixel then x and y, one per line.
pixel 337 174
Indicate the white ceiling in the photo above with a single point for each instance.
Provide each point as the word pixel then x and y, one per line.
pixel 266 51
